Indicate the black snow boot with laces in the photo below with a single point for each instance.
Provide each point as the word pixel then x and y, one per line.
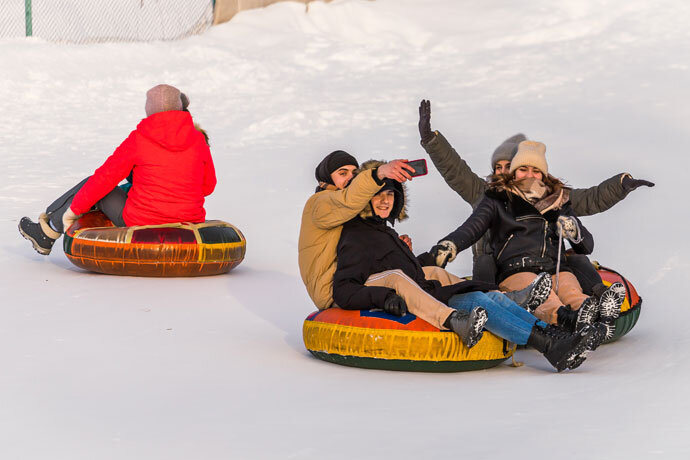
pixel 534 294
pixel 564 350
pixel 574 320
pixel 468 326
pixel 41 235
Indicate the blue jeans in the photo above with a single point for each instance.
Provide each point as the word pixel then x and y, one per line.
pixel 506 318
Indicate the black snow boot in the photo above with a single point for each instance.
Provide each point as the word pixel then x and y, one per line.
pixel 468 326
pixel 610 307
pixel 40 234
pixel 565 351
pixel 534 294
pixel 574 320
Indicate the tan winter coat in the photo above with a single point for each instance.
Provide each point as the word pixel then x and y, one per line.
pixel 322 222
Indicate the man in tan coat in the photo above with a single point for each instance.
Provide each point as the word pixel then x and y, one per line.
pixel 339 197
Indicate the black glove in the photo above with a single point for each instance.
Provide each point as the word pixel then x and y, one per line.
pixel 395 305
pixel 629 184
pixel 425 121
pixel 443 252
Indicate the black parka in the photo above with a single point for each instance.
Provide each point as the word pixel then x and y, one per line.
pixel 369 246
pixel 518 231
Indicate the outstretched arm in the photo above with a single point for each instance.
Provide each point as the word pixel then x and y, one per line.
pixel 455 171
pixel 466 235
pixel 604 196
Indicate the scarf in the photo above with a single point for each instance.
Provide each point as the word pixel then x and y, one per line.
pixel 540 196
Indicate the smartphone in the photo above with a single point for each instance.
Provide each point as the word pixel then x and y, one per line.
pixel 419 167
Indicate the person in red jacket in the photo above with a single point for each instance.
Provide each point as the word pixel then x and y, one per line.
pixel 171 172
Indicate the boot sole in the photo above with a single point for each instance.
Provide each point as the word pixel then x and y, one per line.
pixel 539 294
pixel 38 248
pixel 478 318
pixel 610 308
pixel 578 356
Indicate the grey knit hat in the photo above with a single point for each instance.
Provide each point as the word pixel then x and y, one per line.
pixel 162 98
pixel 507 150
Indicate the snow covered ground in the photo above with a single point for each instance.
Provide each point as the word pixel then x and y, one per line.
pixel 104 367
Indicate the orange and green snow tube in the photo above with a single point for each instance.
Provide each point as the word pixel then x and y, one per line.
pixel 630 310
pixel 179 249
pixel 377 340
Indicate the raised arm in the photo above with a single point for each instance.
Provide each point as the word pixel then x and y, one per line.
pixel 337 207
pixel 455 171
pixel 599 198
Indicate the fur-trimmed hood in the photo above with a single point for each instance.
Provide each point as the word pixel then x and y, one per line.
pixel 399 212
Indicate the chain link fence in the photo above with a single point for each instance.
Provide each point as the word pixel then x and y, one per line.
pixel 90 21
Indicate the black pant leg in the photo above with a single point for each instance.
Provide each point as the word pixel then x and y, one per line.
pixel 584 271
pixel 112 206
pixel 60 206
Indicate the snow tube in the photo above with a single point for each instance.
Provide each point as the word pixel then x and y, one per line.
pixel 630 310
pixel 179 249
pixel 374 339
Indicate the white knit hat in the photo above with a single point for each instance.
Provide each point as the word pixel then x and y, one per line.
pixel 530 153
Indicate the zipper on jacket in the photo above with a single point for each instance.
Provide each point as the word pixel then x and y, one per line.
pixel 504 246
pixel 546 227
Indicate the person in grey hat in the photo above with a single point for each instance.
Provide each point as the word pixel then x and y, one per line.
pixel 165 156
pixel 471 187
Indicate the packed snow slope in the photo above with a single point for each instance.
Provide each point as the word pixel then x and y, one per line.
pixel 105 367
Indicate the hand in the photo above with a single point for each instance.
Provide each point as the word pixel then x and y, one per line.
pixel 407 240
pixel 396 169
pixel 629 184
pixel 444 252
pixel 569 228
pixel 395 305
pixel 425 121
pixel 68 218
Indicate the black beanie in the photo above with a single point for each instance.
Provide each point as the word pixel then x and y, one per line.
pixel 333 162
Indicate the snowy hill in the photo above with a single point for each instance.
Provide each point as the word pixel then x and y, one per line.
pixel 104 367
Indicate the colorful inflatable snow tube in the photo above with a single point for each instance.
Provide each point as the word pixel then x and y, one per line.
pixel 179 249
pixel 630 310
pixel 378 340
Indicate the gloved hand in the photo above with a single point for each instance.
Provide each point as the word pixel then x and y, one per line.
pixel 425 121
pixel 629 184
pixel 443 252
pixel 569 227
pixel 68 218
pixel 395 305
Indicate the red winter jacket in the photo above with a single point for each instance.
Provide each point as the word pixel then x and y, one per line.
pixel 172 172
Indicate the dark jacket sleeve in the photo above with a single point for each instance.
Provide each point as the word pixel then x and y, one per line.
pixel 475 226
pixel 586 246
pixel 593 200
pixel 349 291
pixel 455 170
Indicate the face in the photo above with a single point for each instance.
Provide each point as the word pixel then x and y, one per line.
pixel 382 203
pixel 502 167
pixel 341 177
pixel 524 172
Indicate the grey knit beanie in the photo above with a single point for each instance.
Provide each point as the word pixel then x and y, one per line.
pixel 507 150
pixel 162 98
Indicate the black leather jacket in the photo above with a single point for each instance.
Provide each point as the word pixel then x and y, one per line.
pixel 522 239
